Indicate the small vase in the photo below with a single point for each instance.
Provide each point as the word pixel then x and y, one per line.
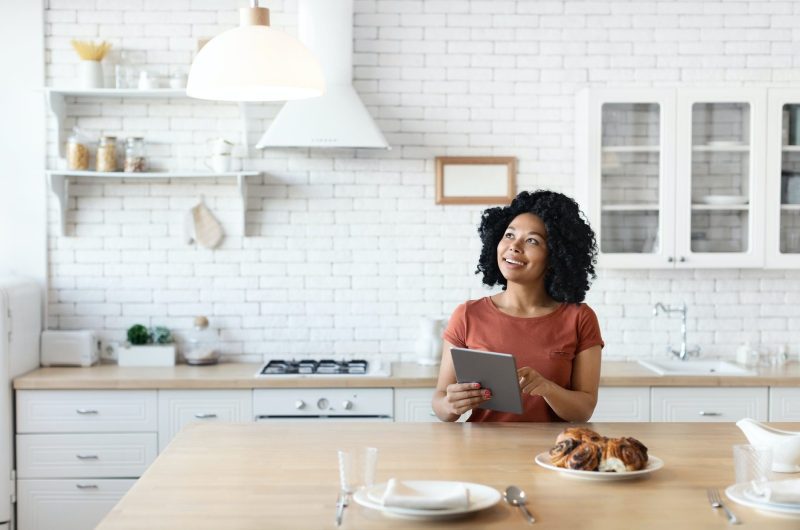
pixel 90 74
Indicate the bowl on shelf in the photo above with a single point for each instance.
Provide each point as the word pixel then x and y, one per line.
pixel 724 199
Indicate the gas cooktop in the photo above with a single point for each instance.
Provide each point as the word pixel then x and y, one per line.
pixel 313 367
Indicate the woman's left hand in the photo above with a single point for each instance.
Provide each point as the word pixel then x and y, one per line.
pixel 531 382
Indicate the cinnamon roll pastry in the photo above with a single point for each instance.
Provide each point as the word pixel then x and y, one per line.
pixel 580 434
pixel 561 451
pixel 623 454
pixel 585 457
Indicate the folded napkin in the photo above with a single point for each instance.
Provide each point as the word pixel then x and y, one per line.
pixel 783 491
pixel 399 494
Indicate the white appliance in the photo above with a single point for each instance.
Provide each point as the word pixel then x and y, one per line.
pixel 338 118
pixel 323 404
pixel 69 348
pixel 20 328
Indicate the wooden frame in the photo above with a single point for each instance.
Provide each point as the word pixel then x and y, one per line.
pixel 475 179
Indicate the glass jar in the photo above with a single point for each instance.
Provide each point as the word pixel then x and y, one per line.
pixel 107 154
pixel 77 154
pixel 201 343
pixel 134 155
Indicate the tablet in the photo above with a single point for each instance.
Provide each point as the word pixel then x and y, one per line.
pixel 495 371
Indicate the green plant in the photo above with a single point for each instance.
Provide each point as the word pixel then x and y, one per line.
pixel 138 334
pixel 161 335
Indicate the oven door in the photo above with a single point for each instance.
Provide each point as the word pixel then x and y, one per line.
pixel 323 404
pixel 324 418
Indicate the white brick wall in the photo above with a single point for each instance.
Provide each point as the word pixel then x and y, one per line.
pixel 345 249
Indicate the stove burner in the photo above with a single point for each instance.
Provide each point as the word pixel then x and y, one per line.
pixel 310 366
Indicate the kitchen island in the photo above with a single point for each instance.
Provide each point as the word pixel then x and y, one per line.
pixel 284 475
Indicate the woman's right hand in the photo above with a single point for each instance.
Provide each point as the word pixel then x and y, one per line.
pixel 461 397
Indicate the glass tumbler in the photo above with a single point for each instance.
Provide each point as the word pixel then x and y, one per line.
pixel 357 468
pixel 752 465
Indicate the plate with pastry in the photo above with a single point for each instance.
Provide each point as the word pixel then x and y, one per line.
pixel 583 453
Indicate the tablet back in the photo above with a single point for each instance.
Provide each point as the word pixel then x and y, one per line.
pixel 495 371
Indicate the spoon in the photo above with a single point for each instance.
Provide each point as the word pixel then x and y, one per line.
pixel 516 497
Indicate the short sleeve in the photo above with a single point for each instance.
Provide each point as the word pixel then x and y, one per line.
pixel 588 329
pixel 456 331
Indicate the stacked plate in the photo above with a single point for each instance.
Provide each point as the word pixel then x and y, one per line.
pixel 743 494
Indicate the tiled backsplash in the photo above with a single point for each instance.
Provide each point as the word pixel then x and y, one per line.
pixel 345 249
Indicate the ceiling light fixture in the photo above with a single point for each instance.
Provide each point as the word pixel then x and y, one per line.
pixel 255 63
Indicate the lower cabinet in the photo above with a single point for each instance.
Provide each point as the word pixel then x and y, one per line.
pixel 177 408
pixel 414 404
pixel 622 404
pixel 784 404
pixel 708 404
pixel 67 504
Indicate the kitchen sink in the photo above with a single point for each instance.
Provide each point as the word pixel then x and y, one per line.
pixel 710 367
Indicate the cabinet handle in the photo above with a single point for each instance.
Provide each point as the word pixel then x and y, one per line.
pixel 88 457
pixel 86 411
pixel 87 486
pixel 205 415
pixel 705 413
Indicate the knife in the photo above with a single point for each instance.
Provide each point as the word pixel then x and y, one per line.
pixel 341 504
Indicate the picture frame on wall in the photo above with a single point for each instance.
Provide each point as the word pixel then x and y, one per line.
pixel 476 179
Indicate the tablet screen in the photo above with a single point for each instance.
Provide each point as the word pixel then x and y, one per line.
pixel 495 371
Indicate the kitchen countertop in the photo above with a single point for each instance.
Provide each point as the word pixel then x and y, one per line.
pixel 404 375
pixel 284 475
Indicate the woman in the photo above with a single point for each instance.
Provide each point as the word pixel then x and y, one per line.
pixel 542 253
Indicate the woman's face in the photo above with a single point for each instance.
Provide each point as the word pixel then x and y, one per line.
pixel 522 251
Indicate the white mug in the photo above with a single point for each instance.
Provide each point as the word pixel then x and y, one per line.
pixel 219 163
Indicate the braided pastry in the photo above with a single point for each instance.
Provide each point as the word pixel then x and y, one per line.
pixel 580 434
pixel 561 451
pixel 585 457
pixel 623 454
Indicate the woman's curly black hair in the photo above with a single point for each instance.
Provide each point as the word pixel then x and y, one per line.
pixel 571 244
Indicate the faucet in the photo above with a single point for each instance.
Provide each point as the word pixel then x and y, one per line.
pixel 683 353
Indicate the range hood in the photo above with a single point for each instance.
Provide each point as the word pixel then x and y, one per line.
pixel 338 118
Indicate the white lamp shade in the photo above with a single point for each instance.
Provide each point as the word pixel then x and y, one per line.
pixel 255 63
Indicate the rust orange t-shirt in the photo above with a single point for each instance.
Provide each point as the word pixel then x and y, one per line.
pixel 548 344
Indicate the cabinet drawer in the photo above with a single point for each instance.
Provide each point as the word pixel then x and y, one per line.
pixel 414 404
pixel 177 408
pixel 708 404
pixel 56 411
pixel 67 504
pixel 622 404
pixel 784 404
pixel 85 455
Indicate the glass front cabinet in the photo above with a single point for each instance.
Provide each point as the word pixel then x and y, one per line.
pixel 674 178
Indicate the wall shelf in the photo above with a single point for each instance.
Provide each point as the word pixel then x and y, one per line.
pixel 56 99
pixel 58 182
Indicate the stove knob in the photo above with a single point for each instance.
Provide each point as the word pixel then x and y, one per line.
pixel 347 404
pixel 322 404
pixel 299 404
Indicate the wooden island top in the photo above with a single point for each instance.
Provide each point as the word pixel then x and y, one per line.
pixel 284 475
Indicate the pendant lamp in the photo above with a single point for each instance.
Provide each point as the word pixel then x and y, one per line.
pixel 255 63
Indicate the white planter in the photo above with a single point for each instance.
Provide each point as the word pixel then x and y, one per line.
pixel 150 355
pixel 90 74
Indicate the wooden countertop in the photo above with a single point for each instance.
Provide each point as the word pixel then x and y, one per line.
pixel 284 475
pixel 403 375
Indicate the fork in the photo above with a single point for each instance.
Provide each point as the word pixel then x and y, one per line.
pixel 716 502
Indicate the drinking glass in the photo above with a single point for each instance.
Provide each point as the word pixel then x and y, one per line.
pixel 752 465
pixel 357 468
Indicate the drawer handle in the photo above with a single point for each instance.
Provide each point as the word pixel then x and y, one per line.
pixel 87 486
pixel 86 411
pixel 88 457
pixel 205 415
pixel 705 413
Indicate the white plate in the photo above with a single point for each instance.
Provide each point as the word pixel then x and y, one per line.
pixel 480 498
pixel 725 199
pixel 739 493
pixel 653 464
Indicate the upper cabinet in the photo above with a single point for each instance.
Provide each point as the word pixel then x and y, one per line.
pixel 674 178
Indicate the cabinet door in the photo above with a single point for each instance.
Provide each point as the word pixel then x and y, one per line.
pixel 625 158
pixel 67 504
pixel 622 404
pixel 177 408
pixel 53 411
pixel 708 404
pixel 783 179
pixel 414 404
pixel 720 180
pixel 784 404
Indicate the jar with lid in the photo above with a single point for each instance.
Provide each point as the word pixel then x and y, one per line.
pixel 77 154
pixel 201 343
pixel 107 154
pixel 134 155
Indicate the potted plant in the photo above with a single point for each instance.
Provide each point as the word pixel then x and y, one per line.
pixel 147 347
